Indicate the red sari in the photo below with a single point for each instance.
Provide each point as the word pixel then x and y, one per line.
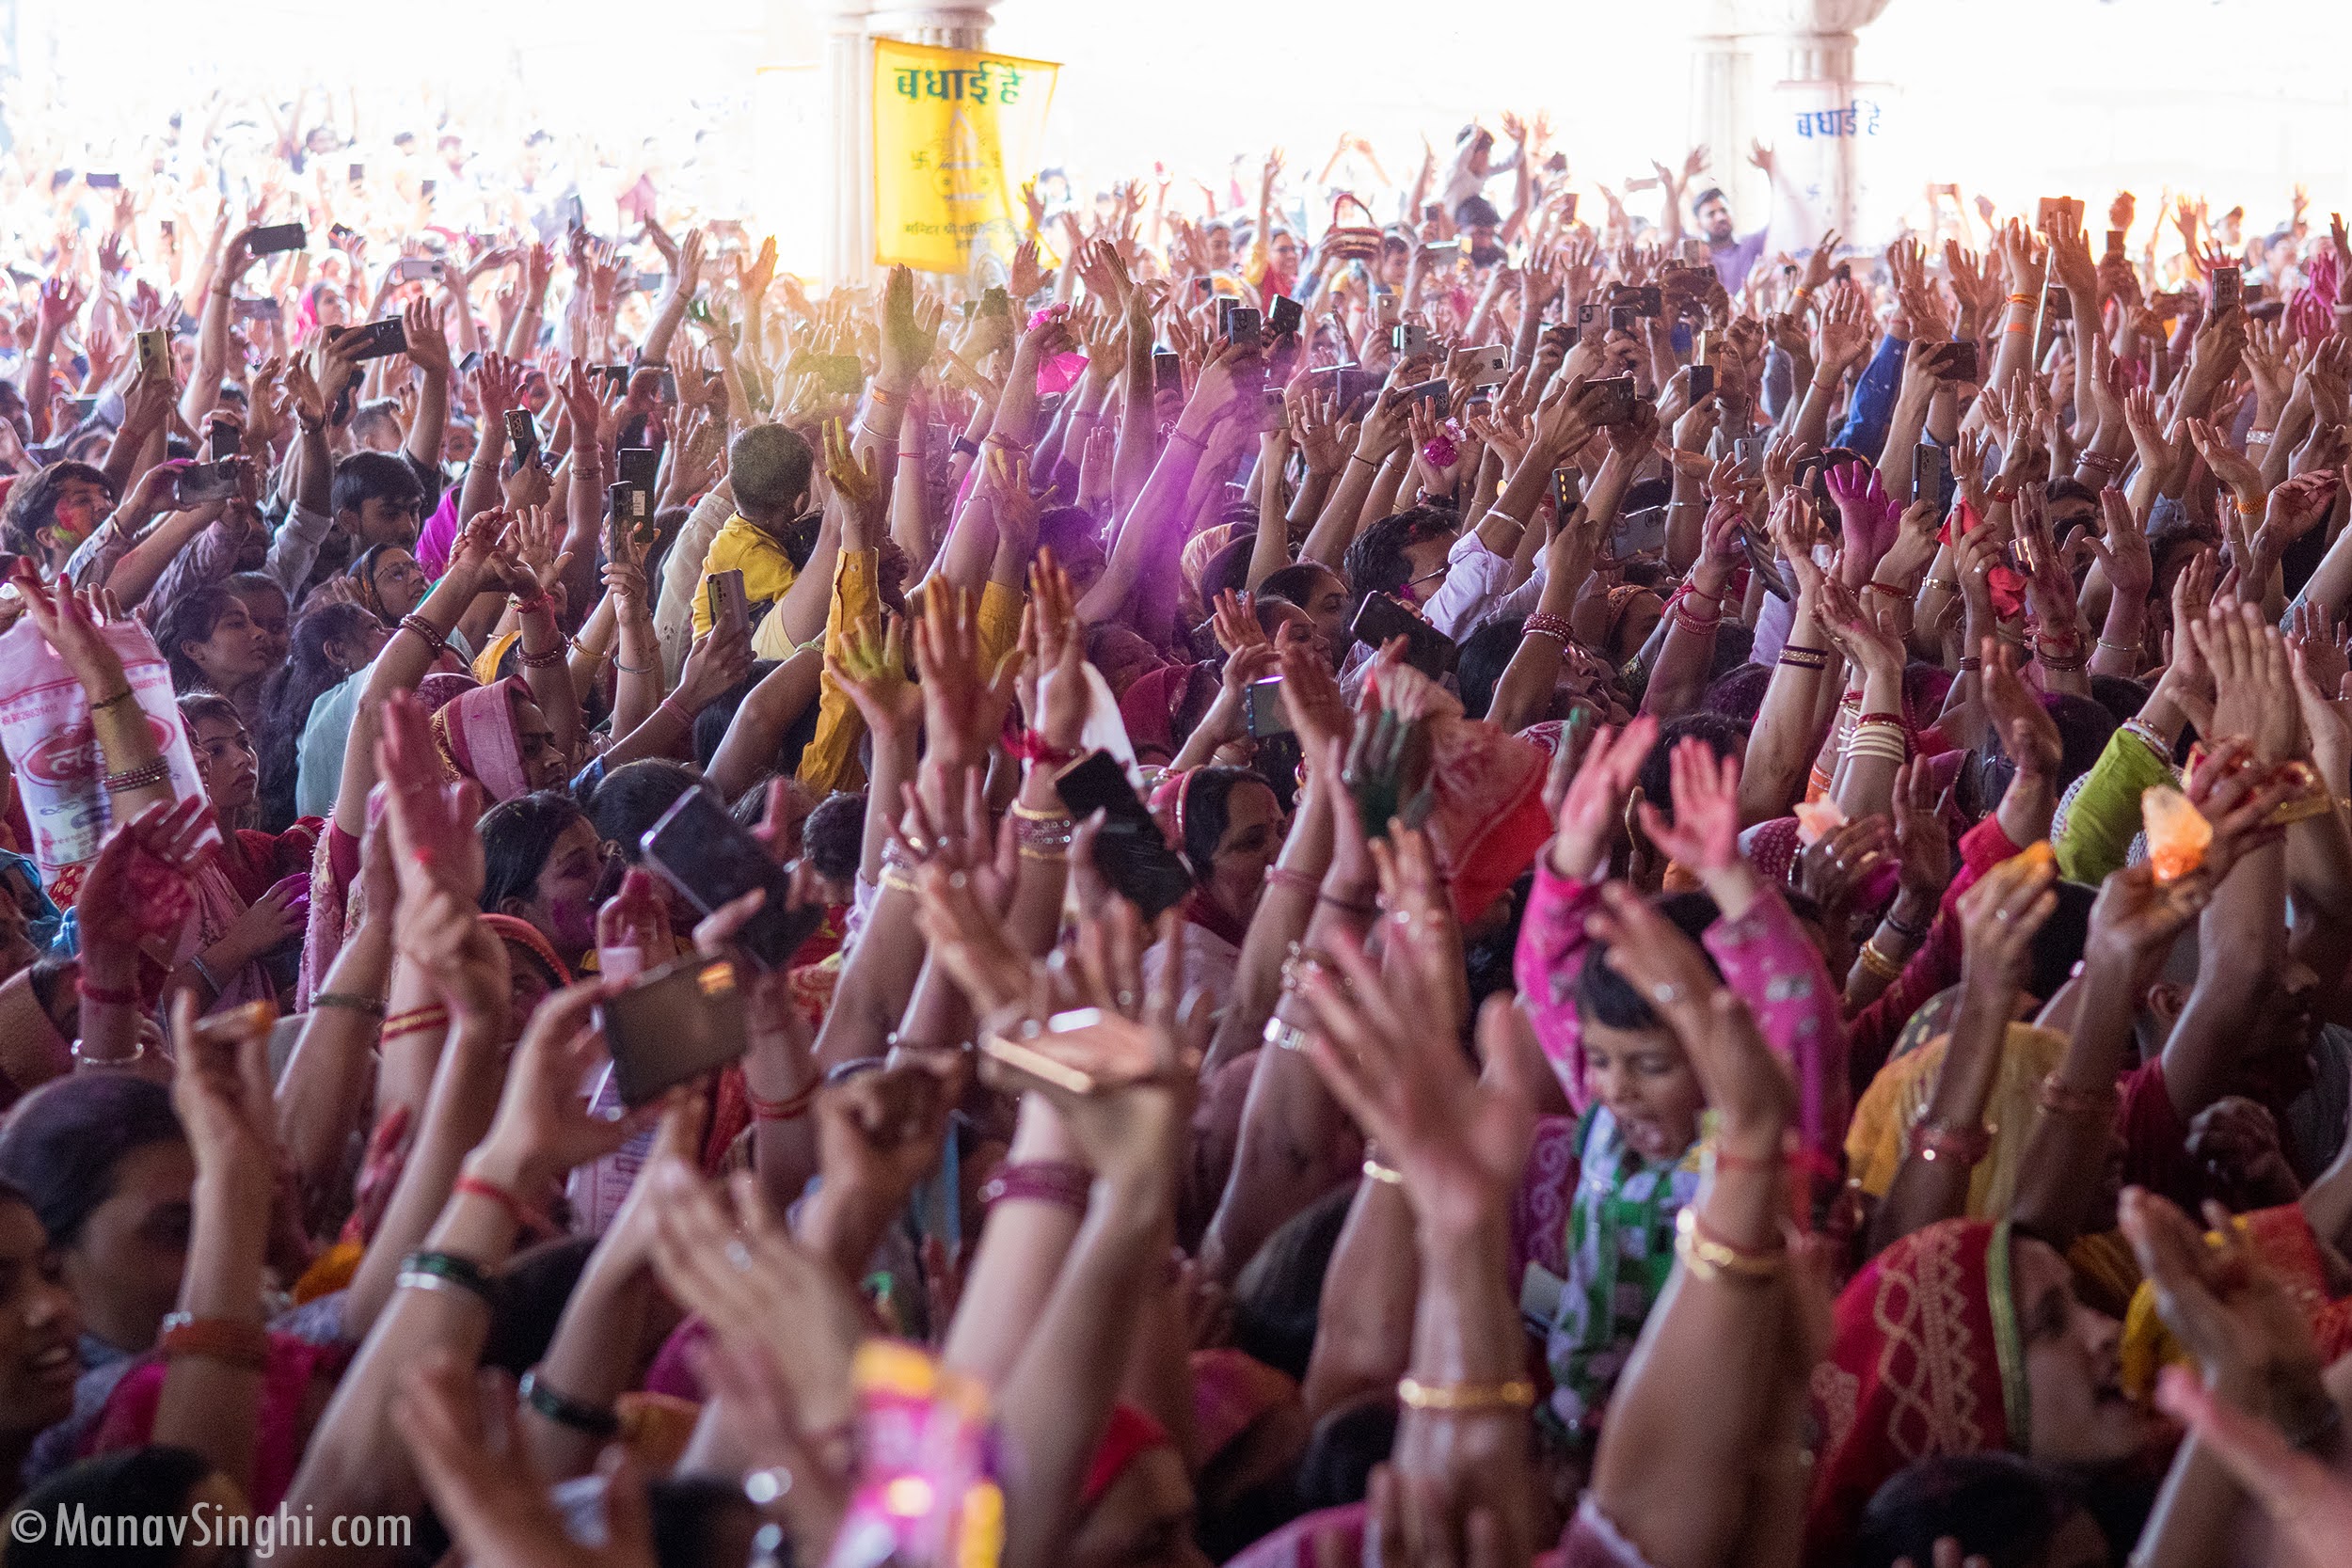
pixel 1927 1361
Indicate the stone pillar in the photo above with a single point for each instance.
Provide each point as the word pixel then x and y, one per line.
pixel 1782 72
pixel 850 71
pixel 1723 114
pixel 1825 121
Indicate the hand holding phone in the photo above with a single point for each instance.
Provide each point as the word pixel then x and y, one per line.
pixel 671 1026
pixel 1129 849
pixel 712 860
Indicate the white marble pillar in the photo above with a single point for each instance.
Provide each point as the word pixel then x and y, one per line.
pixel 1826 174
pixel 850 111
pixel 1775 71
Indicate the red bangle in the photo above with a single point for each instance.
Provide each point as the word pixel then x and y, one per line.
pixel 107 995
pixel 1289 876
pixel 1062 1183
pixel 1890 590
pixel 239 1344
pixel 1961 1146
pixel 1879 719
pixel 536 601
pixel 788 1109
pixel 416 1021
pixel 426 631
pixel 524 1214
pixel 1031 746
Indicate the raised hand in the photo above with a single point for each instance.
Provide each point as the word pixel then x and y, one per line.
pixel 2028 731
pixel 871 667
pixel 1999 916
pixel 1704 836
pixel 139 886
pixel 1747 1087
pixel 963 706
pixel 431 821
pixel 1391 1057
pixel 1595 802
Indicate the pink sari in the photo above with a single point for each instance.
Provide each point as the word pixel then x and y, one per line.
pixel 478 739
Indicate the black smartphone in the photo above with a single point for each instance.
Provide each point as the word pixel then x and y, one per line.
pixel 632 516
pixel 1702 382
pixel 712 860
pixel 671 1025
pixel 1283 316
pixel 274 238
pixel 378 340
pixel 221 439
pixel 358 172
pixel 2229 288
pixel 1434 392
pixel 470 363
pixel 428 187
pixel 640 466
pixel 1959 362
pixel 262 310
pixel 1621 319
pixel 1242 327
pixel 199 483
pixel 1648 300
pixel 1168 371
pixel 1382 619
pixel 1350 383
pixel 1613 400
pixel 729 607
pixel 1567 492
pixel 1263 711
pixel 523 439
pixel 1130 850
pixel 104 181
pixel 615 376
pixel 1930 466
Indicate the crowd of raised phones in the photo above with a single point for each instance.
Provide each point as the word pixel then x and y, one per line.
pixel 1538 884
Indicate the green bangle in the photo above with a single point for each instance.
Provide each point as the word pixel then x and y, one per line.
pixel 447 1270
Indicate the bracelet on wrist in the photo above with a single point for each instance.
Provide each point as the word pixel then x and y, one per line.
pixel 450 1272
pixel 589 1419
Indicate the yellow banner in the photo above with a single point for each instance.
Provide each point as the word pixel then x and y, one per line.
pixel 955 134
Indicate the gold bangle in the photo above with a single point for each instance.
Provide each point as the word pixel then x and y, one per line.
pixel 1466 1398
pixel 1879 964
pixel 1021 811
pixel 895 880
pixel 1031 852
pixel 1387 1175
pixel 1705 1256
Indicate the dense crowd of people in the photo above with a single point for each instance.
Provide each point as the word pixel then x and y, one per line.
pixel 1512 885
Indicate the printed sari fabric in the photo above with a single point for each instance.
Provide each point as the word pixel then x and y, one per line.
pixel 478 738
pixel 1620 1249
pixel 1926 1361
